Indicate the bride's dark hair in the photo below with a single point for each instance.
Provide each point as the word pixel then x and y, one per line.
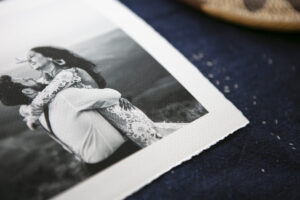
pixel 11 92
pixel 71 60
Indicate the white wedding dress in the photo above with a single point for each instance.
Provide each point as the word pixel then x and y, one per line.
pixel 133 123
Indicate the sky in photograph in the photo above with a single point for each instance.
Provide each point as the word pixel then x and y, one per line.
pixel 26 24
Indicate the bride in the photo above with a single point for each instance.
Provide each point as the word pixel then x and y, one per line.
pixel 63 70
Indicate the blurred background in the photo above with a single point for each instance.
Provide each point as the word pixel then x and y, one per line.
pixel 255 69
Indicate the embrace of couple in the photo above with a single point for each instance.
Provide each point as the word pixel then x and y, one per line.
pixel 71 102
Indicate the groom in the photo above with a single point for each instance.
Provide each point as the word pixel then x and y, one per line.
pixel 94 150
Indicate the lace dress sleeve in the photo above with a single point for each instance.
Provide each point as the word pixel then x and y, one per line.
pixel 62 80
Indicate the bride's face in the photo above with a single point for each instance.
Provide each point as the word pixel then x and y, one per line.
pixel 37 61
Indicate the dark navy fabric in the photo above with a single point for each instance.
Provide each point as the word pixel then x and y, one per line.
pixel 259 72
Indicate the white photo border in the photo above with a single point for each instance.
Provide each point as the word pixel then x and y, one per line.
pixel 139 169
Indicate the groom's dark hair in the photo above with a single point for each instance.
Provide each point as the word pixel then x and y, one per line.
pixel 11 92
pixel 71 60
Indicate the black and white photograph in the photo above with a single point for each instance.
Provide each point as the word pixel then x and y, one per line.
pixel 78 95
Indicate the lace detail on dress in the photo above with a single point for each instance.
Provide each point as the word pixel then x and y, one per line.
pixel 64 79
pixel 133 123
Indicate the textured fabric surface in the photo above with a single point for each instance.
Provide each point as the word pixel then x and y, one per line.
pixel 258 72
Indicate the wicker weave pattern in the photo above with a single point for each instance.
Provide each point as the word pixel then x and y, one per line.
pixel 269 14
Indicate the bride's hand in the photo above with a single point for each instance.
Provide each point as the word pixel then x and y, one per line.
pixel 30 120
pixel 125 104
pixel 24 111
